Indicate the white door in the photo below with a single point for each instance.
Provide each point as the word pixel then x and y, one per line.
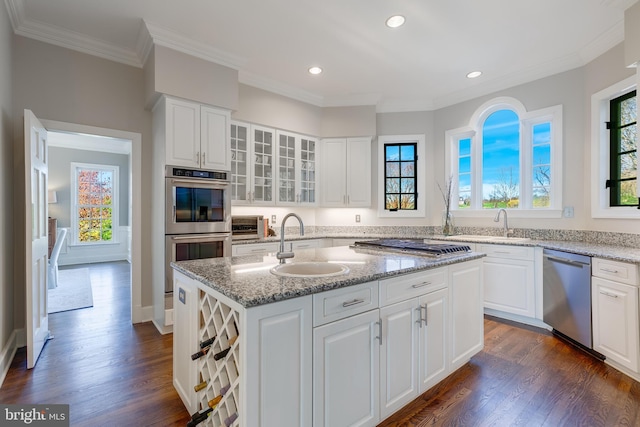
pixel 434 339
pixel 36 253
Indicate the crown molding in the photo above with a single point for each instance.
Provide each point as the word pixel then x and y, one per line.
pixel 603 43
pixel 65 38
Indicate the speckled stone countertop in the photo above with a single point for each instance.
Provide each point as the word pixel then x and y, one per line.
pixel 248 281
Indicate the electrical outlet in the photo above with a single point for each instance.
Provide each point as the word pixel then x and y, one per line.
pixel 567 212
pixel 273 219
pixel 357 218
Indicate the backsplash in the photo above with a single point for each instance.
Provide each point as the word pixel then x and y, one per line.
pixel 596 237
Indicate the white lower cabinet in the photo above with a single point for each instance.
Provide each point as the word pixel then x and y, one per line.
pixel 467 315
pixel 413 354
pixel 615 314
pixel 509 284
pixel 345 371
pixel 185 340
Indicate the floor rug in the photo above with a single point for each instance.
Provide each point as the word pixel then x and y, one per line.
pixel 73 291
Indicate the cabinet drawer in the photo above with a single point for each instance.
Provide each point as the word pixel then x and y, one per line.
pixel 412 285
pixel 615 270
pixel 306 244
pixel 508 251
pixel 344 302
pixel 254 249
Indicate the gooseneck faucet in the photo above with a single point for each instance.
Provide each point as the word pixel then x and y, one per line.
pixel 282 255
pixel 497 219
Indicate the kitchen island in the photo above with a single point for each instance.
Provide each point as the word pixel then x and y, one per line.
pixel 322 351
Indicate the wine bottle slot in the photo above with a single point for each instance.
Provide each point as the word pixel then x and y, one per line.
pixel 231 419
pixel 207 343
pixel 236 328
pixel 199 417
pixel 201 353
pixel 223 353
pixel 200 386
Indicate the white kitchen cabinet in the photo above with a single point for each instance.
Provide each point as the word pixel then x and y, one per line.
pixel 196 135
pixel 346 172
pixel 414 350
pixel 254 248
pixel 252 164
pixel 185 340
pixel 466 313
pixel 509 274
pixel 346 372
pixel 296 169
pixel 307 244
pixel 616 327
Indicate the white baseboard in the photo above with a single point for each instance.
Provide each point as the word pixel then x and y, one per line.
pixel 517 318
pixel 142 314
pixel 168 317
pixel 163 329
pixel 7 355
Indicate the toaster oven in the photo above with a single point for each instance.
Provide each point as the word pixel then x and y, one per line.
pixel 247 227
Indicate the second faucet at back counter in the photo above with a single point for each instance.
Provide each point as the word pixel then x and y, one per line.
pixel 282 255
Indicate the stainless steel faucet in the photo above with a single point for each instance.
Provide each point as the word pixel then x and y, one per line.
pixel 506 227
pixel 282 255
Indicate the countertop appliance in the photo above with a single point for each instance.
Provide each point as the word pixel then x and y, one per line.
pixel 247 227
pixel 566 283
pixel 415 246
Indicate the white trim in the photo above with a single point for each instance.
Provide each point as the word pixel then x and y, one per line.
pixel 600 151
pixel 421 166
pixel 135 207
pixel 7 355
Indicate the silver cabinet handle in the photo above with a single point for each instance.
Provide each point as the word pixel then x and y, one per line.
pixel 379 337
pixel 426 315
pixel 352 302
pixel 607 270
pixel 419 321
pixel 608 294
pixel 198 157
pixel 420 285
pixel 203 160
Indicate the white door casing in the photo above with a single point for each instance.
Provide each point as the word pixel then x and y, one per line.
pixel 36 253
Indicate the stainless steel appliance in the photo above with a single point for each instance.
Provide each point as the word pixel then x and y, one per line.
pixel 188 247
pixel 197 201
pixel 247 227
pixel 418 246
pixel 197 216
pixel 566 282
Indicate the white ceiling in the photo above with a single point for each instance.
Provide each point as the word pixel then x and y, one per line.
pixel 420 66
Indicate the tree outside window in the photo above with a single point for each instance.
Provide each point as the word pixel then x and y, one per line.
pixel 400 176
pixel 623 152
pixel 95 195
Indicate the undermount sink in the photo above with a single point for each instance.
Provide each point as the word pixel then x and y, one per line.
pixel 497 239
pixel 310 269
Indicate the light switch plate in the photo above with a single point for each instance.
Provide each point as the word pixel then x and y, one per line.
pixel 357 218
pixel 273 219
pixel 567 212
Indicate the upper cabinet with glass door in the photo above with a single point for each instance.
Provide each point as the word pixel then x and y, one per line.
pixel 252 164
pixel 296 166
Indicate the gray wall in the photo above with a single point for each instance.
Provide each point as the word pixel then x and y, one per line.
pixel 60 160
pixel 7 315
pixel 67 86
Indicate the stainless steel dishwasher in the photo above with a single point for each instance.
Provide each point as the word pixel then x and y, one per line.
pixel 566 281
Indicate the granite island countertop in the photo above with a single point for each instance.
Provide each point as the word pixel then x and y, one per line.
pixel 248 280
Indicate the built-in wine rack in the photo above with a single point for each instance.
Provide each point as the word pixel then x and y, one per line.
pixel 222 376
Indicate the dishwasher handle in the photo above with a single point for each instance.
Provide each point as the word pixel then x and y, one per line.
pixel 566 261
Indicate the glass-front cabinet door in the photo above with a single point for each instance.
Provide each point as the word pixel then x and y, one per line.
pixel 296 169
pixel 263 149
pixel 240 152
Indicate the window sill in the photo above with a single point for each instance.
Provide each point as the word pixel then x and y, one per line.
pixel 84 245
pixel 632 212
pixel 511 213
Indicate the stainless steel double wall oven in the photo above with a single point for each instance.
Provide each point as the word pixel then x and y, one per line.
pixel 197 217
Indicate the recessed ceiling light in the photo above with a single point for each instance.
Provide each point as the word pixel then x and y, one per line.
pixel 474 74
pixel 315 70
pixel 395 21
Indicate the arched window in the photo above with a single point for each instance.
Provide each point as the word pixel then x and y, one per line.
pixel 508 158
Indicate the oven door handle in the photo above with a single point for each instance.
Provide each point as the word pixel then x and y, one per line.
pixel 213 183
pixel 221 236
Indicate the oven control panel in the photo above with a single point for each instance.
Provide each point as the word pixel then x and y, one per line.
pixel 176 172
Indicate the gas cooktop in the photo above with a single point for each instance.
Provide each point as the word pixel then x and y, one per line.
pixel 414 245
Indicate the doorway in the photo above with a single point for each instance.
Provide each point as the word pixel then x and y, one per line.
pixel 96 139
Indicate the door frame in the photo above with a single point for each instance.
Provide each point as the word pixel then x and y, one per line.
pixel 137 312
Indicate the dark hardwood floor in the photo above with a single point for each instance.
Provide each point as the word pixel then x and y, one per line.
pixel 112 373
